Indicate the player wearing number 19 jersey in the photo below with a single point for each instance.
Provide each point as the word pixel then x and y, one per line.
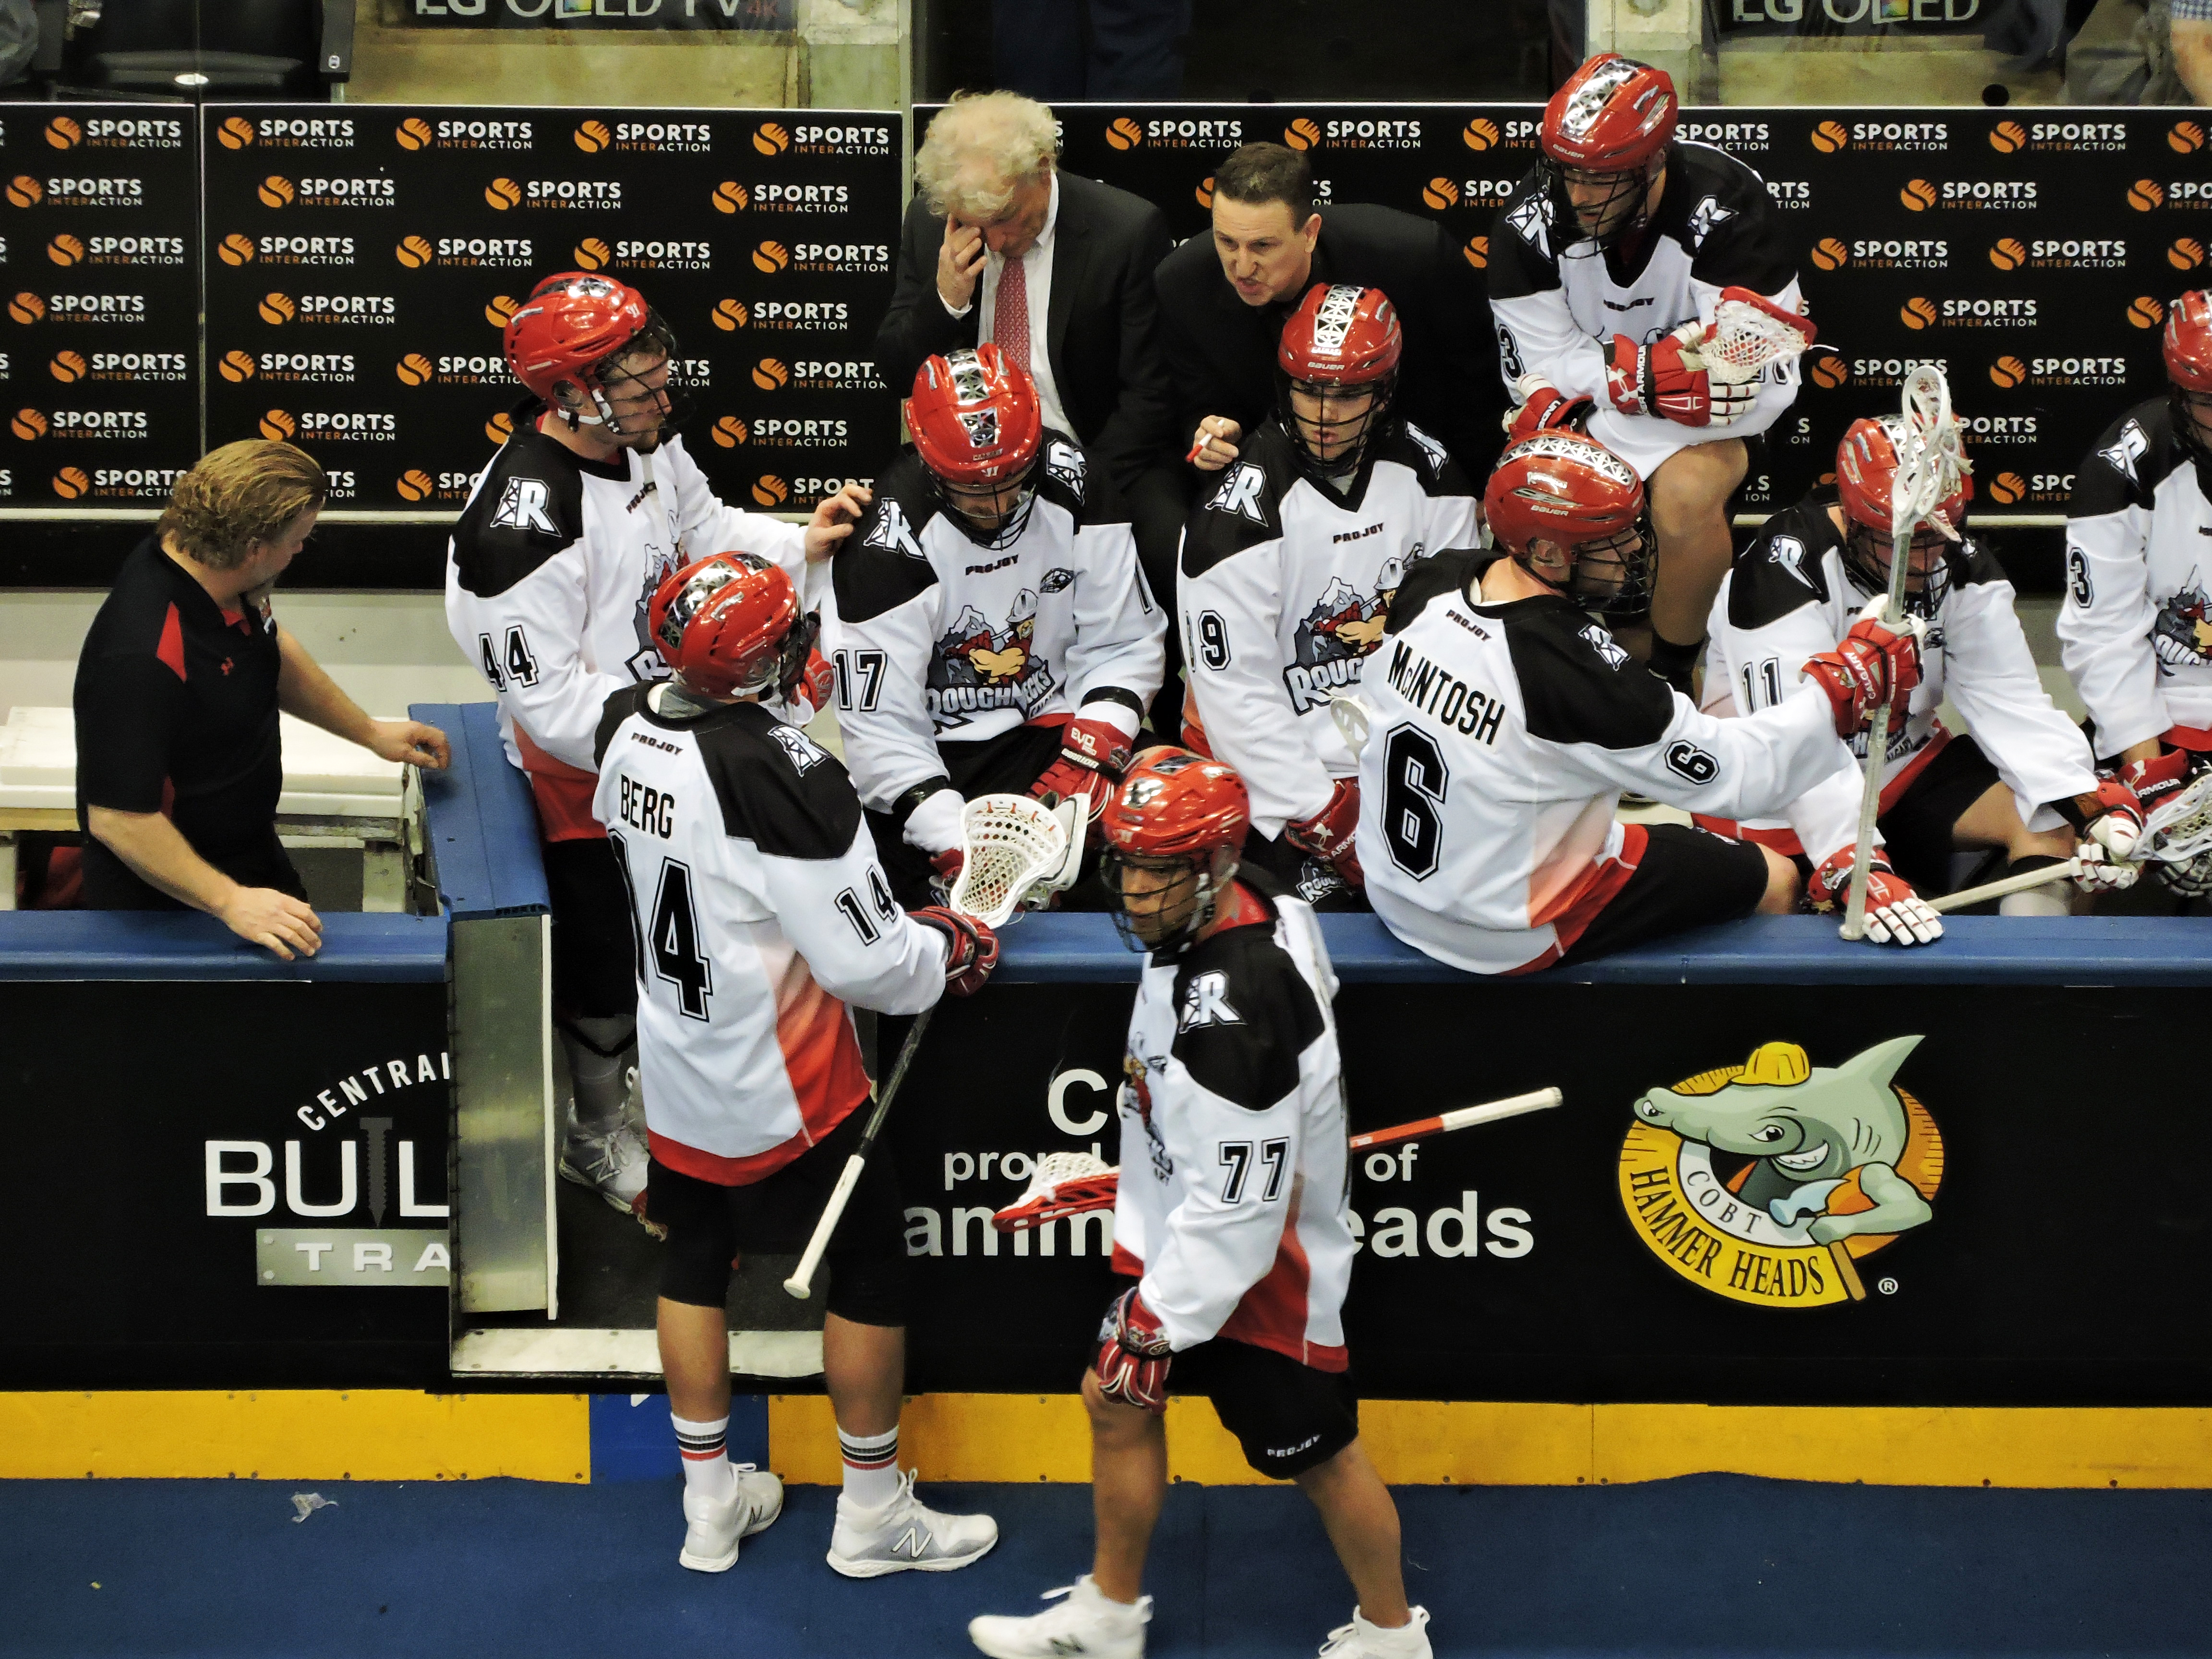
pixel 1504 722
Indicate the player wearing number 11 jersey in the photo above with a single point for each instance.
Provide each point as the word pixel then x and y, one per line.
pixel 1504 723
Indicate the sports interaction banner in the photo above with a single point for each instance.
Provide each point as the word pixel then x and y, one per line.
pixel 362 266
pixel 1752 1194
pixel 100 358
pixel 2032 253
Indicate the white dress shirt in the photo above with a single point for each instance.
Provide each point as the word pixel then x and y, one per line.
pixel 1037 271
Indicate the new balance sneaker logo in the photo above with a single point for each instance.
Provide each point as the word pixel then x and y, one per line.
pixel 914 1541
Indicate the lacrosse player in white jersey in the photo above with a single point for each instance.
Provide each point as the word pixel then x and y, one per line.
pixel 2023 780
pixel 2136 630
pixel 1232 1216
pixel 757 911
pixel 992 631
pixel 1607 266
pixel 563 540
pixel 1288 572
pixel 1504 723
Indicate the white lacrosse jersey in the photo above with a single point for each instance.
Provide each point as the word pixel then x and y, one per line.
pixel 760 911
pixel 549 574
pixel 2136 630
pixel 1788 597
pixel 1286 583
pixel 936 636
pixel 1501 737
pixel 1558 299
pixel 1234 1205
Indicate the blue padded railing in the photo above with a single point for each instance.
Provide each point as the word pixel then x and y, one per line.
pixel 126 945
pixel 481 826
pixel 1042 950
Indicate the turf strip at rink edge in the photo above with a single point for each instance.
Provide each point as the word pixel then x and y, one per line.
pixel 1704 1566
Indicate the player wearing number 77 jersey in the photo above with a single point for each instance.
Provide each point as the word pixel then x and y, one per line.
pixel 1504 723
pixel 1232 1216
pixel 758 909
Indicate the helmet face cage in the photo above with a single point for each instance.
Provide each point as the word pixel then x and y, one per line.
pixel 1619 213
pixel 1305 435
pixel 1612 576
pixel 1866 560
pixel 608 380
pixel 963 503
pixel 1202 876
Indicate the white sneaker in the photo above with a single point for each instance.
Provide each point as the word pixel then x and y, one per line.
pixel 1086 1624
pixel 1361 1640
pixel 904 1536
pixel 613 1165
pixel 710 1541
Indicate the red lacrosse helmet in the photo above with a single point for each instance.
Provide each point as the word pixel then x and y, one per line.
pixel 2188 341
pixel 1866 471
pixel 1561 487
pixel 729 624
pixel 570 327
pixel 1613 114
pixel 975 418
pixel 1183 813
pixel 1341 340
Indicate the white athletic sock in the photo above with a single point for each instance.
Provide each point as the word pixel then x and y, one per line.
pixel 706 1451
pixel 2049 901
pixel 601 1086
pixel 872 1471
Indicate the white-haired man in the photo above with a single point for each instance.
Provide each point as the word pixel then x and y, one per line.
pixel 1001 246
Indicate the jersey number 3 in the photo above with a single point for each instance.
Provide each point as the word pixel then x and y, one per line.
pixel 669 939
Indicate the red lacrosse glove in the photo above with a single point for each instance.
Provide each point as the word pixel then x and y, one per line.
pixel 819 682
pixel 1895 914
pixel 2109 823
pixel 1544 407
pixel 1872 665
pixel 1655 379
pixel 971 949
pixel 2158 780
pixel 1134 1355
pixel 1093 754
pixel 1328 834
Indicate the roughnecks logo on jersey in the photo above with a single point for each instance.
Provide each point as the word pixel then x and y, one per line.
pixel 1708 1189
pixel 976 666
pixel 1338 633
pixel 2182 635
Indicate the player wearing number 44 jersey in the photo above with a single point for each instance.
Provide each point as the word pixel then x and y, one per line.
pixel 1288 570
pixel 1503 722
pixel 757 909
pixel 1232 1216
pixel 992 632
pixel 552 565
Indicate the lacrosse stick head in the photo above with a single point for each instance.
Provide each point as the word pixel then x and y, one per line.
pixel 1174 832
pixel 1011 845
pixel 1868 464
pixel 1354 720
pixel 1060 1184
pixel 1749 333
pixel 2178 835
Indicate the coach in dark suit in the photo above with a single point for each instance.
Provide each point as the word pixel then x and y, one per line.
pixel 992 222
pixel 1224 300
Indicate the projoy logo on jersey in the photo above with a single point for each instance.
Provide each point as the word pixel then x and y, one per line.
pixel 1770 1181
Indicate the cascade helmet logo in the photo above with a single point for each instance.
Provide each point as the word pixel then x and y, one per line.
pixel 277 191
pixel 769 258
pixel 593 136
pixel 2186 253
pixel 2184 137
pixel 1123 133
pixel 770 138
pixel 24 192
pixel 235 249
pixel 730 197
pixel 63 133
pixel 1768 1183
pixel 68 367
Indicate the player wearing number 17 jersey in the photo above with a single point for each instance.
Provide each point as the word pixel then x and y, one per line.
pixel 1504 723
pixel 758 909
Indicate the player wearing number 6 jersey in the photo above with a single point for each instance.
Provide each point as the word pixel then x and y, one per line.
pixel 555 557
pixel 1231 1216
pixel 758 909
pixel 1504 722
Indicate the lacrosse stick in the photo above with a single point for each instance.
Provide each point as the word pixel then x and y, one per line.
pixel 1069 1183
pixel 2019 884
pixel 1931 462
pixel 1353 718
pixel 2181 829
pixel 1010 846
pixel 1750 332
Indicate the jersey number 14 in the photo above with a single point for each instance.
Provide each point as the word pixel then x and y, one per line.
pixel 669 937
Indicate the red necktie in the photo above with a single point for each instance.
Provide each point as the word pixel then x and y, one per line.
pixel 1009 324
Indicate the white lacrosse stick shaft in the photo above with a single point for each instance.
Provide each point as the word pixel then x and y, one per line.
pixel 2019 884
pixel 1913 495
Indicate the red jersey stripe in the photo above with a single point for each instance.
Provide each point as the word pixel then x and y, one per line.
pixel 171 651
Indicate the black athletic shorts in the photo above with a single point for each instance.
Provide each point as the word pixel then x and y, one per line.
pixel 1005 765
pixel 1289 1418
pixel 708 1224
pixel 1917 832
pixel 1685 878
pixel 594 962
pixel 1302 875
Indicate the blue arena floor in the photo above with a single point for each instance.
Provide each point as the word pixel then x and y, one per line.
pixel 1714 1566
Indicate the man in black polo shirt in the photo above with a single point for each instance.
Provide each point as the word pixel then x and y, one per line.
pixel 177 688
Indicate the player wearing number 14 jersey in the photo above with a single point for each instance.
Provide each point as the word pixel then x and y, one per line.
pixel 1504 723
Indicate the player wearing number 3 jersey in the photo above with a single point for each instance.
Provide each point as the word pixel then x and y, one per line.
pixel 1504 722
pixel 758 909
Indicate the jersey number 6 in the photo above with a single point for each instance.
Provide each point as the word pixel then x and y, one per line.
pixel 1413 779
